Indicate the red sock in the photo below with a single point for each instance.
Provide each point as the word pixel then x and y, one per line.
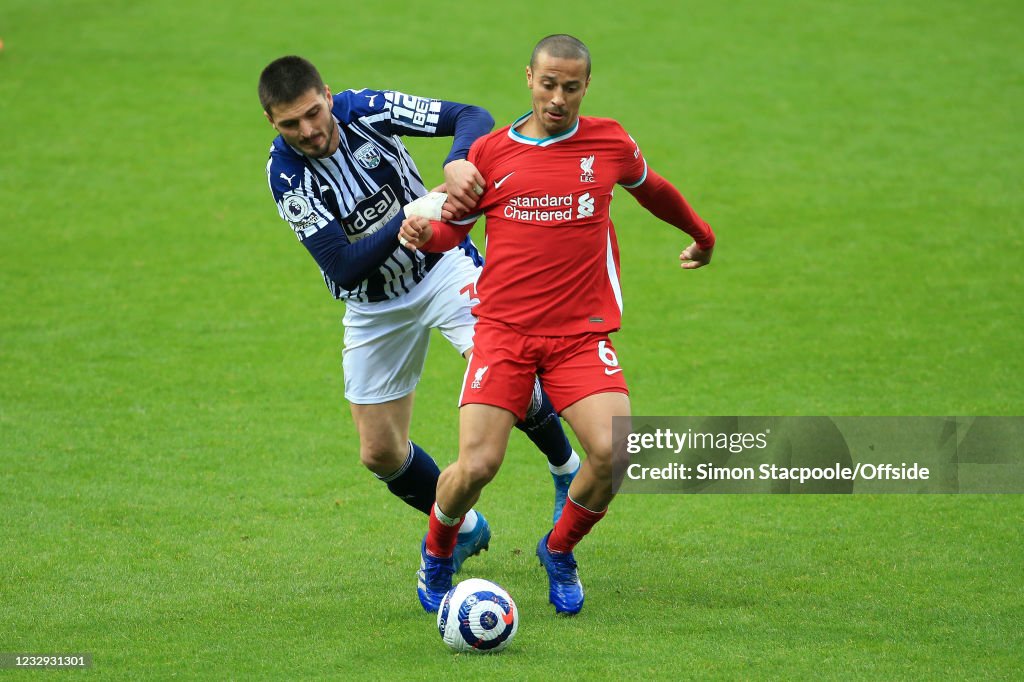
pixel 576 522
pixel 441 538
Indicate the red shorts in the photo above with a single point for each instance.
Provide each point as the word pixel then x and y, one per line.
pixel 504 362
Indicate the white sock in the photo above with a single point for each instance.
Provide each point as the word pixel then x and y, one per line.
pixel 469 524
pixel 443 518
pixel 570 466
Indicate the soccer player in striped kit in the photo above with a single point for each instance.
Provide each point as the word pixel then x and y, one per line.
pixel 550 297
pixel 343 180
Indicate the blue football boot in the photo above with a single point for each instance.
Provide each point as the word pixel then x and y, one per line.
pixel 562 482
pixel 471 544
pixel 433 580
pixel 565 590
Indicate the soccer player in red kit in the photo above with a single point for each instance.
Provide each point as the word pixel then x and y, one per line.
pixel 549 298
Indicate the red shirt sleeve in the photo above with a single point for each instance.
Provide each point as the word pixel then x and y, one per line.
pixel 661 198
pixel 446 236
pixel 634 166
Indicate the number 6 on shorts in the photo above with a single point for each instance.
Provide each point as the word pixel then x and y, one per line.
pixel 608 357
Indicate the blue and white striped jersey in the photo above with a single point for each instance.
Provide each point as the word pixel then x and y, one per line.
pixel 334 203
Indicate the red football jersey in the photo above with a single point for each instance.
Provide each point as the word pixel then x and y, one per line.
pixel 552 262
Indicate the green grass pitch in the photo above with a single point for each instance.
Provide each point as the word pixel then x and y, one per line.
pixel 180 492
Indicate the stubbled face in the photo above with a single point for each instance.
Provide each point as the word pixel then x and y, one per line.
pixel 558 86
pixel 307 124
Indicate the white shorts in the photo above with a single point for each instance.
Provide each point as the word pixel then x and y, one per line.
pixel 386 342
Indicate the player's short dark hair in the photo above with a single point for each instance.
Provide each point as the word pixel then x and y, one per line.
pixel 562 46
pixel 286 79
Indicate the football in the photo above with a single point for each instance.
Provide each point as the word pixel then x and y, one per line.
pixel 477 616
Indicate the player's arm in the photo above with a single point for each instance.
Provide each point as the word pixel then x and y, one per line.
pixel 349 263
pixel 344 261
pixel 424 234
pixel 462 180
pixel 664 201
pixel 423 117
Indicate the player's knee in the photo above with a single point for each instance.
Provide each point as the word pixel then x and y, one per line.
pixel 383 457
pixel 479 471
pixel 600 463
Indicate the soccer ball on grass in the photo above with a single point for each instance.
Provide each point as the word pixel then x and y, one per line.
pixel 477 616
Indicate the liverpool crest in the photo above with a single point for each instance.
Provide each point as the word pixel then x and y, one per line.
pixel 587 169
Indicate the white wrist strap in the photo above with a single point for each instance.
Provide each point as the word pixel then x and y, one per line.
pixel 427 206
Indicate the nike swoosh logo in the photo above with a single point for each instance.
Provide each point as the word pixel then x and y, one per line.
pixel 610 372
pixel 499 183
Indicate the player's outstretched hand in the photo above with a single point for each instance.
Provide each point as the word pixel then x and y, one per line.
pixel 416 231
pixel 694 257
pixel 464 185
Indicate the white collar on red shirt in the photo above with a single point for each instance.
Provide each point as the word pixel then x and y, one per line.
pixel 542 142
